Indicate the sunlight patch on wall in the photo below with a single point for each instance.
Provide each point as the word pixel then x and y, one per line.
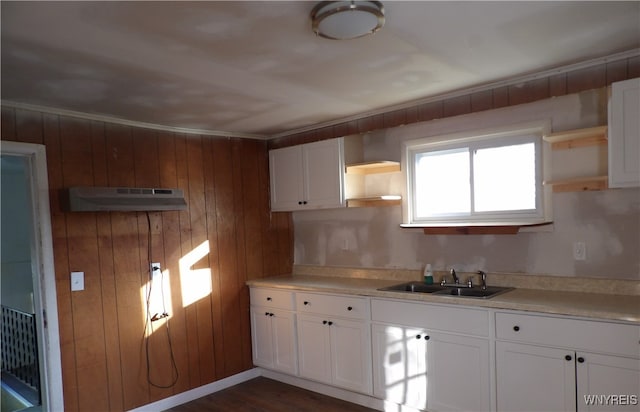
pixel 195 283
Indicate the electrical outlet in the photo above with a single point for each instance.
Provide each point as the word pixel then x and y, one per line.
pixel 579 250
pixel 155 269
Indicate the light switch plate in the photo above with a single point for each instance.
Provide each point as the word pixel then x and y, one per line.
pixel 77 281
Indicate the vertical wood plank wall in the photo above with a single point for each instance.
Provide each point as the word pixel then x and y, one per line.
pixel 104 361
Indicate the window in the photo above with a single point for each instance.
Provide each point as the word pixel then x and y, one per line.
pixel 486 178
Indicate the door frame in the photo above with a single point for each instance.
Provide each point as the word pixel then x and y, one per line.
pixel 45 298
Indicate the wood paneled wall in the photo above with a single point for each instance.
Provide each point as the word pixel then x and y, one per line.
pixel 104 362
pixel 561 84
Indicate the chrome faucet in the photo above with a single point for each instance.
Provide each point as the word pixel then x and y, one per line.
pixel 483 276
pixel 454 276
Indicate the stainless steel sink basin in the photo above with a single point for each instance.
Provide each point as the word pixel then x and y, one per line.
pixel 414 287
pixel 489 292
pixel 475 292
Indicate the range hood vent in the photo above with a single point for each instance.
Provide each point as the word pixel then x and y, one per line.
pixel 121 199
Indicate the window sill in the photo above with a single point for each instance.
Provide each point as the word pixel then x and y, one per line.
pixel 475 229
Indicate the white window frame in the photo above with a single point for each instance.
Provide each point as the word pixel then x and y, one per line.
pixel 478 139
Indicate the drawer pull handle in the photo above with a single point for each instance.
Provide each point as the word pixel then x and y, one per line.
pixel 427 337
pixel 324 322
pixel 305 303
pixel 568 357
pixel 349 308
pixel 516 328
pixel 581 359
pixel 418 337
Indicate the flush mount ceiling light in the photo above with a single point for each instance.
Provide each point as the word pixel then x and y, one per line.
pixel 344 20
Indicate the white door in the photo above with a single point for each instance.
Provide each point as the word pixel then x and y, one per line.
pixel 351 354
pixel 323 164
pixel 262 337
pixel 600 375
pixel 285 173
pixel 459 377
pixel 285 357
pixel 44 286
pixel 400 365
pixel 314 348
pixel 534 378
pixel 624 134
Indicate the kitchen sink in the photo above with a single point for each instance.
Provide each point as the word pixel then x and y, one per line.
pixel 489 292
pixel 475 292
pixel 414 287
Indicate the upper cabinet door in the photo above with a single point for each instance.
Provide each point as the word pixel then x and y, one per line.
pixel 624 134
pixel 308 176
pixel 323 164
pixel 285 172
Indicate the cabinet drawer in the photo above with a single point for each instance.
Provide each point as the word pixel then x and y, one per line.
pixel 343 306
pixel 272 298
pixel 594 336
pixel 420 315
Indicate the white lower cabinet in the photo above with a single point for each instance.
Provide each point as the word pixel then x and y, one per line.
pixel 400 365
pixel 334 340
pixel 459 378
pixel 563 364
pixel 430 364
pixel 273 330
pixel 274 344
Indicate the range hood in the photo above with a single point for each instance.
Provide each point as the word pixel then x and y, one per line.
pixel 121 199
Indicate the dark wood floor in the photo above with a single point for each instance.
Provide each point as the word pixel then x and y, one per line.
pixel 266 395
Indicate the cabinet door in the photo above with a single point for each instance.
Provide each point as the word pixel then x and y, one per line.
pixel 534 378
pixel 285 173
pixel 599 376
pixel 351 354
pixel 459 377
pixel 323 173
pixel 285 357
pixel 624 134
pixel 400 365
pixel 262 337
pixel 314 348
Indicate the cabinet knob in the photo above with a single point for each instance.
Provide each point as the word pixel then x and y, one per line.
pixel 324 322
pixel 580 359
pixel 270 314
pixel 349 308
pixel 300 202
pixel 516 328
pixel 568 357
pixel 305 303
pixel 269 298
pixel 418 337
pixel 427 337
pixel 266 314
pixel 330 323
pixel 304 202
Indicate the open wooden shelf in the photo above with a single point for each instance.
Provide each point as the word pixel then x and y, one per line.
pixel 570 139
pixel 369 168
pixel 374 201
pixel 579 184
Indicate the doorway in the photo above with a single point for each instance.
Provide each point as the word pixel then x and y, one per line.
pixel 31 366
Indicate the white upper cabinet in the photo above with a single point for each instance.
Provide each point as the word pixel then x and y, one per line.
pixel 308 176
pixel 624 134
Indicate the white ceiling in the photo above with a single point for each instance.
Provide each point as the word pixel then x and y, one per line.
pixel 257 68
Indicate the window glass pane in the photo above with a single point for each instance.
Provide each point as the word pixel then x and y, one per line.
pixel 504 178
pixel 442 182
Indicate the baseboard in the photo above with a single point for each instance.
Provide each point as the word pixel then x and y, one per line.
pixel 199 392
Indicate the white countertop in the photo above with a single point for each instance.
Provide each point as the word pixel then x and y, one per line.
pixel 589 305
